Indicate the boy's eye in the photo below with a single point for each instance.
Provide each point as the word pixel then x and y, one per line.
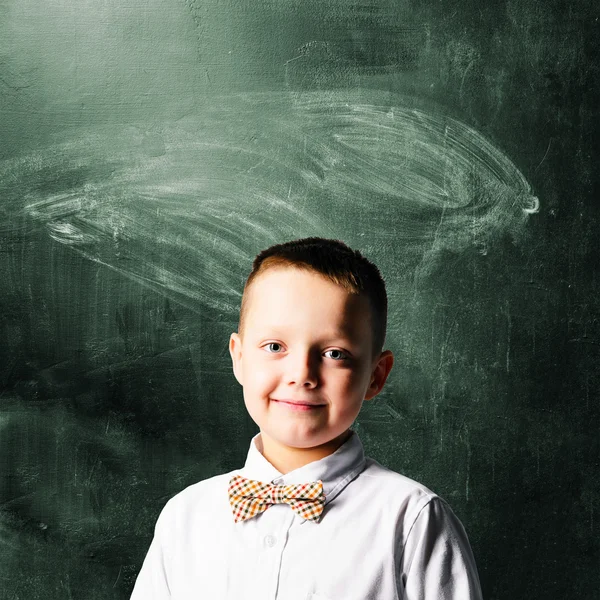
pixel 274 344
pixel 339 354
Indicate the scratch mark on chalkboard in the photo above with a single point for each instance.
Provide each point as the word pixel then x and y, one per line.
pixel 392 411
pixel 508 336
pixel 195 11
pixel 287 62
pixel 545 155
pixel 462 83
pixel 66 585
pixel 118 576
pixel 468 475
pixel 445 343
pixel 584 340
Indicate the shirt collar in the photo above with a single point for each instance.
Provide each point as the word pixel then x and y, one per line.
pixel 336 471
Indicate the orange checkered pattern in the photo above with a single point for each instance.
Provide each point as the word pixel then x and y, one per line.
pixel 248 497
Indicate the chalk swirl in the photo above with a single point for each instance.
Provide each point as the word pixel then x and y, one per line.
pixel 183 207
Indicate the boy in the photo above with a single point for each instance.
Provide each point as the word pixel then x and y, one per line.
pixel 309 517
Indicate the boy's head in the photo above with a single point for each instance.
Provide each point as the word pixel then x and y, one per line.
pixel 335 261
pixel 323 306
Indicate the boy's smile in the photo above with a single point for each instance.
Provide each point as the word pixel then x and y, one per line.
pixel 305 361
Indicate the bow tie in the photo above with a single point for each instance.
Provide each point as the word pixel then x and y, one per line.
pixel 249 497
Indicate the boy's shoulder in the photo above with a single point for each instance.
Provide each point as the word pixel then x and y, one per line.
pixel 393 479
pixel 203 490
pixel 207 496
pixel 391 488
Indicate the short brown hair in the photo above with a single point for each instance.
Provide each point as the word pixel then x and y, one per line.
pixel 336 261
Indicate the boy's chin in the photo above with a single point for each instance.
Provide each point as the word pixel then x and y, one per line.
pixel 309 441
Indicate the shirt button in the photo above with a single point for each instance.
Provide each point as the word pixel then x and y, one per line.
pixel 270 540
pixel 277 481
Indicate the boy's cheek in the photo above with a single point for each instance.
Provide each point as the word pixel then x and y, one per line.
pixel 258 380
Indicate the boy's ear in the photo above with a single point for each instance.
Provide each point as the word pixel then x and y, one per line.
pixel 380 373
pixel 235 349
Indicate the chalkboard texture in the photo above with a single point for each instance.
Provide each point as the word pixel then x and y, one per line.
pixel 151 148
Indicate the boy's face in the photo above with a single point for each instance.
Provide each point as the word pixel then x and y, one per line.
pixel 307 340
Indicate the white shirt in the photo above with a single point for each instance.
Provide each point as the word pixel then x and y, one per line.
pixel 382 536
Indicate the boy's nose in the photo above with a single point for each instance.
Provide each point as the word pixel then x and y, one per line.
pixel 303 371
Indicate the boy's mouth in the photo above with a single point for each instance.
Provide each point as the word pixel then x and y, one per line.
pixel 297 404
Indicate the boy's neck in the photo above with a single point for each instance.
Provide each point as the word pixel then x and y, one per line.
pixel 285 458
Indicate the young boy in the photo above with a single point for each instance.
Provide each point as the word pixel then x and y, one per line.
pixel 309 517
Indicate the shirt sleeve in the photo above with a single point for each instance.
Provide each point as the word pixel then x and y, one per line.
pixel 437 562
pixel 152 582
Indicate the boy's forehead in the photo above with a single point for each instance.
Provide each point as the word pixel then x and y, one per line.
pixel 281 277
pixel 343 323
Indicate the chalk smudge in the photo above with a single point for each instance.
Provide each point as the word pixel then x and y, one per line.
pixel 186 213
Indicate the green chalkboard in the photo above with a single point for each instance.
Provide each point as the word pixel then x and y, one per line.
pixel 150 149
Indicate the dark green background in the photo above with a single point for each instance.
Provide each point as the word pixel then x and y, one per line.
pixel 150 148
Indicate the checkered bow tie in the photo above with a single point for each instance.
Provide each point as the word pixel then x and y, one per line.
pixel 248 497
